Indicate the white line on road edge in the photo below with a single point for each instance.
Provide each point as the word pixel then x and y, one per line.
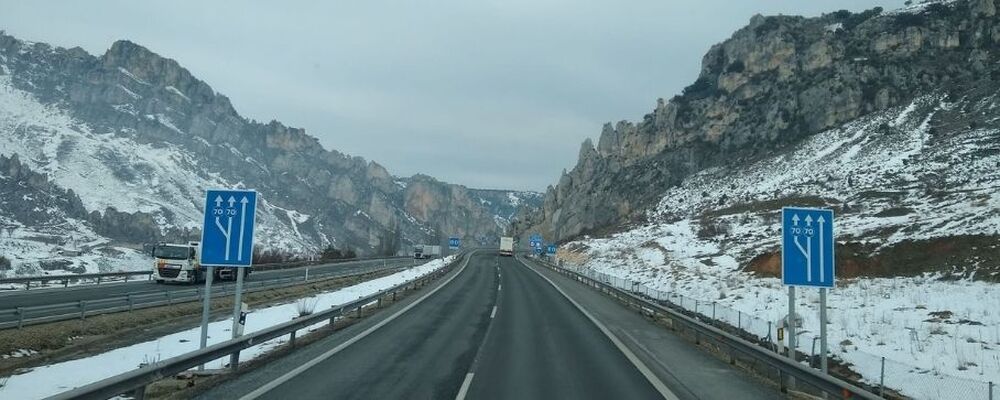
pixel 465 387
pixel 323 357
pixel 494 313
pixel 643 369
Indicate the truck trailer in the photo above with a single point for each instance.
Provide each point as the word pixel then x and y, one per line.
pixel 426 251
pixel 507 246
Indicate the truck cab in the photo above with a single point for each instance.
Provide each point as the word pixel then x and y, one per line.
pixel 177 262
pixel 182 263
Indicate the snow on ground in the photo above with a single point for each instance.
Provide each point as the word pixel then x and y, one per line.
pixel 51 251
pixel 52 379
pixel 941 338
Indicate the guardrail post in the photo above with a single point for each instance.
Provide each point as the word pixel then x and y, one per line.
pixel 131 304
pixel 881 381
pixel 20 317
pixel 83 309
pixel 139 393
pixel 991 390
pixel 393 296
pixel 359 311
pixel 27 285
pixel 170 299
pixel 739 321
pixel 66 283
pixel 713 310
pixel 291 340
pixel 126 278
pixel 379 305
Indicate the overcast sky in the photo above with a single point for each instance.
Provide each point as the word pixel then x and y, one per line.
pixel 489 94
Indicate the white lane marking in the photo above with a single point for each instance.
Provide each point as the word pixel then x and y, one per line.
pixel 323 357
pixel 494 313
pixel 643 369
pixel 499 286
pixel 465 387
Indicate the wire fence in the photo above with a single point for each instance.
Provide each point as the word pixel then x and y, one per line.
pixel 889 377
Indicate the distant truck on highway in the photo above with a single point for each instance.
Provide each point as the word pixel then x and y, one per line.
pixel 181 263
pixel 507 246
pixel 426 251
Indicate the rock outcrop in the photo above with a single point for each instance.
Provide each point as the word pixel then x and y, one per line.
pixel 774 82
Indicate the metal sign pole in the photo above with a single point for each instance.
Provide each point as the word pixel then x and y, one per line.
pixel 791 331
pixel 237 302
pixel 206 308
pixel 822 329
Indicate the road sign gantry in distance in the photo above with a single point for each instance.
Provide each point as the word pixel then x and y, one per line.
pixel 227 231
pixel 807 247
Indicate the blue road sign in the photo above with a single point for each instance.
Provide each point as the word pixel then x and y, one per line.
pixel 552 249
pixel 227 232
pixel 807 247
pixel 454 243
pixel 535 241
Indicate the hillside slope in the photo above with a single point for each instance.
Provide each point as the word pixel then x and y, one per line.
pixel 137 139
pixel 777 81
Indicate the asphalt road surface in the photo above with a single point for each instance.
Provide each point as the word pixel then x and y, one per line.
pixel 46 296
pixel 536 345
pixel 496 329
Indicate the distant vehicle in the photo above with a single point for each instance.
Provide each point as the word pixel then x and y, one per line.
pixel 181 263
pixel 507 246
pixel 426 251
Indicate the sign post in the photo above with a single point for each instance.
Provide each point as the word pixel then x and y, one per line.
pixel 227 241
pixel 206 309
pixel 807 260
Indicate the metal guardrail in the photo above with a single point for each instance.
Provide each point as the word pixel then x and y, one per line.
pixel 785 367
pixel 25 316
pixel 125 275
pixel 136 380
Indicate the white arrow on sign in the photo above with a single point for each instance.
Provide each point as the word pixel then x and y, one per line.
pixel 232 201
pixel 807 251
pixel 822 256
pixel 225 232
pixel 218 202
pixel 243 222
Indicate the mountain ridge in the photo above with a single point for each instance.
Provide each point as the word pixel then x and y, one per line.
pixel 134 133
pixel 773 83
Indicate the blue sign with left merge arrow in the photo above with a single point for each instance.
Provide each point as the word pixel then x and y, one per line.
pixel 227 232
pixel 807 247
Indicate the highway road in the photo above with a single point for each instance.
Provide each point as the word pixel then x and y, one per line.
pixel 496 330
pixel 147 289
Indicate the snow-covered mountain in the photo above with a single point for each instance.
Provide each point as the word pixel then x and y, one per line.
pixel 132 140
pixel 910 164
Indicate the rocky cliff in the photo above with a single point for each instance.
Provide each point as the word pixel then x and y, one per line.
pixel 774 83
pixel 135 138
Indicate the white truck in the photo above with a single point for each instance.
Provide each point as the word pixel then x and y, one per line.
pixel 426 251
pixel 181 263
pixel 507 246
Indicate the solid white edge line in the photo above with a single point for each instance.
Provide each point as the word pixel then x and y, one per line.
pixel 465 387
pixel 643 369
pixel 323 357
pixel 494 313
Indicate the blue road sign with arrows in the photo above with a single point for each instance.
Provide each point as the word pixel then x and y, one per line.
pixel 551 249
pixel 227 232
pixel 807 247
pixel 454 243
